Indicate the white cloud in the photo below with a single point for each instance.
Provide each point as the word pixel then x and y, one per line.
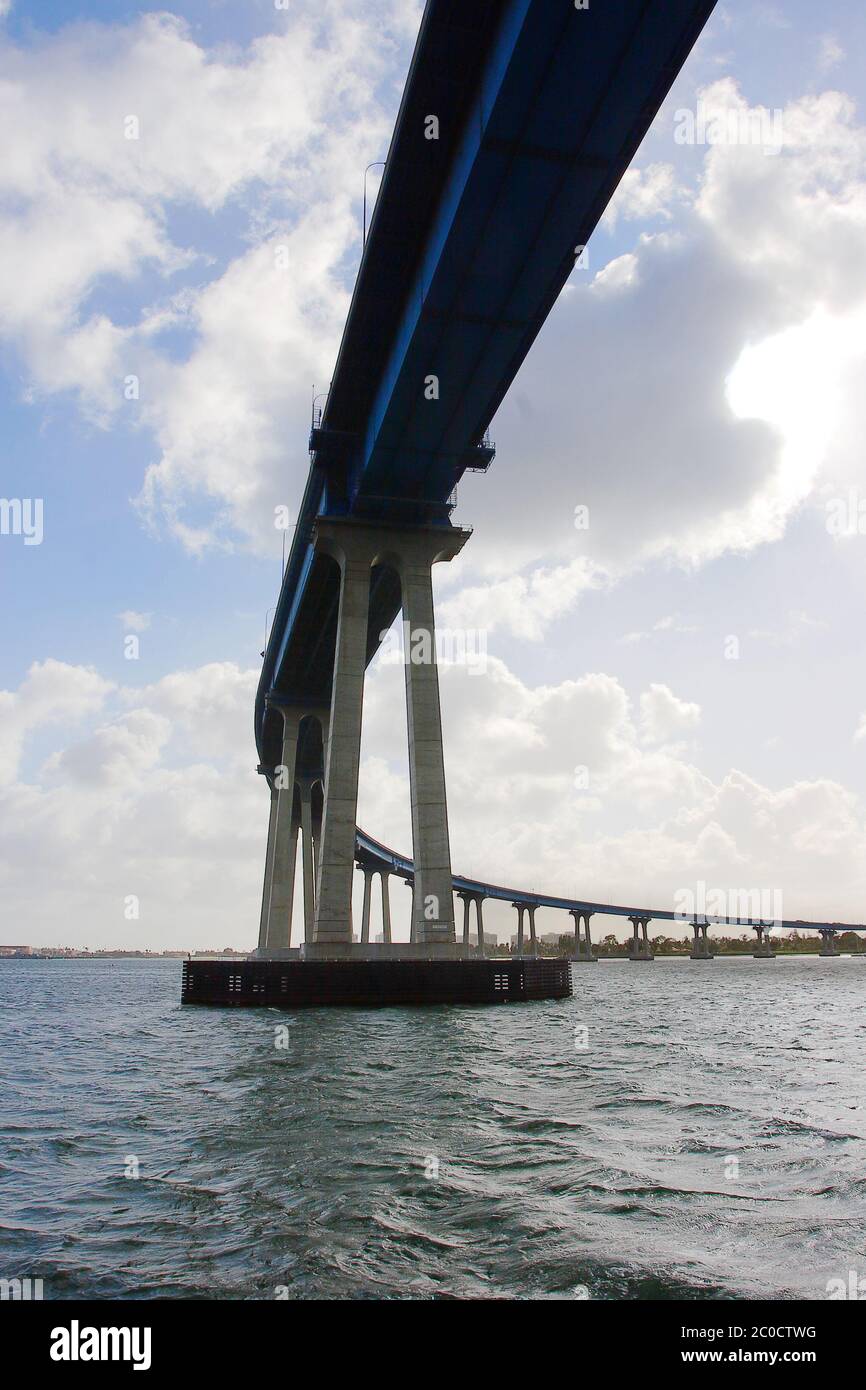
pixel 644 193
pixel 831 53
pixel 157 797
pixel 53 692
pixel 134 621
pixel 703 389
pixel 664 716
pixel 280 131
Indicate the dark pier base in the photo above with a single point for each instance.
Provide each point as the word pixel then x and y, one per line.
pixel 293 983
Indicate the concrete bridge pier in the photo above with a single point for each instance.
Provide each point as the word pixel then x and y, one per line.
pixel 305 787
pixel 828 944
pixel 275 923
pixel 533 939
pixel 763 948
pixel 467 900
pixel 521 908
pixel 583 951
pixel 411 551
pixel 640 948
pixel 700 946
pixel 479 922
pixel 365 911
pixel 385 879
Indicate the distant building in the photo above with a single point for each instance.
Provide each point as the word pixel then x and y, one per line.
pixel 15 950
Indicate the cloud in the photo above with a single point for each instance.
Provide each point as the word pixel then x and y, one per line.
pixel 133 621
pixel 671 623
pixel 644 194
pixel 552 787
pixel 702 389
pixel 664 716
pixel 273 137
pixel 53 692
pixel 831 53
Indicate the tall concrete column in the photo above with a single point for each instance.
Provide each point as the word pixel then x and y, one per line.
pixel 333 925
pixel 386 907
pixel 305 787
pixel 828 944
pixel 521 907
pixel 582 948
pixel 273 817
pixel 433 904
pixel 317 840
pixel 275 924
pixel 365 915
pixel 466 899
pixel 578 919
pixel 533 940
pixel 479 922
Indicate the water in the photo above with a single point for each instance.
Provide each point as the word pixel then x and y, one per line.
pixel 608 1170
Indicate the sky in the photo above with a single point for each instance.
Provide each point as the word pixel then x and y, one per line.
pixel 667 568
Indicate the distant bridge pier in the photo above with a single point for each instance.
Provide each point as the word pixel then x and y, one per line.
pixel 521 908
pixel 700 945
pixel 640 948
pixel 583 947
pixel 365 911
pixel 533 939
pixel 384 878
pixel 467 900
pixel 828 943
pixel 479 921
pixel 763 947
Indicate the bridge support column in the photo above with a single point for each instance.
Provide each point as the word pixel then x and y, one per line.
pixel 365 914
pixel 433 903
pixel 763 948
pixel 521 908
pixel 275 923
pixel 386 906
pixel 828 944
pixel 700 945
pixel 479 922
pixel 533 939
pixel 305 787
pixel 640 948
pixel 412 551
pixel 466 900
pixel 352 551
pixel 583 952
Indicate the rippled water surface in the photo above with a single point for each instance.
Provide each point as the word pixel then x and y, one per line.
pixel 709 1142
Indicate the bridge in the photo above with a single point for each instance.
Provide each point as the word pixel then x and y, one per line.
pixel 518 121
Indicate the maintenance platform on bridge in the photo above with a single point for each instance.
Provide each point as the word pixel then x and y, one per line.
pixel 289 984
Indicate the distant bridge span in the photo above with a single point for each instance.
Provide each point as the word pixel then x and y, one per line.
pixel 375 857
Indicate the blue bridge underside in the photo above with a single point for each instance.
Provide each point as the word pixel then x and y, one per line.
pixel 540 107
